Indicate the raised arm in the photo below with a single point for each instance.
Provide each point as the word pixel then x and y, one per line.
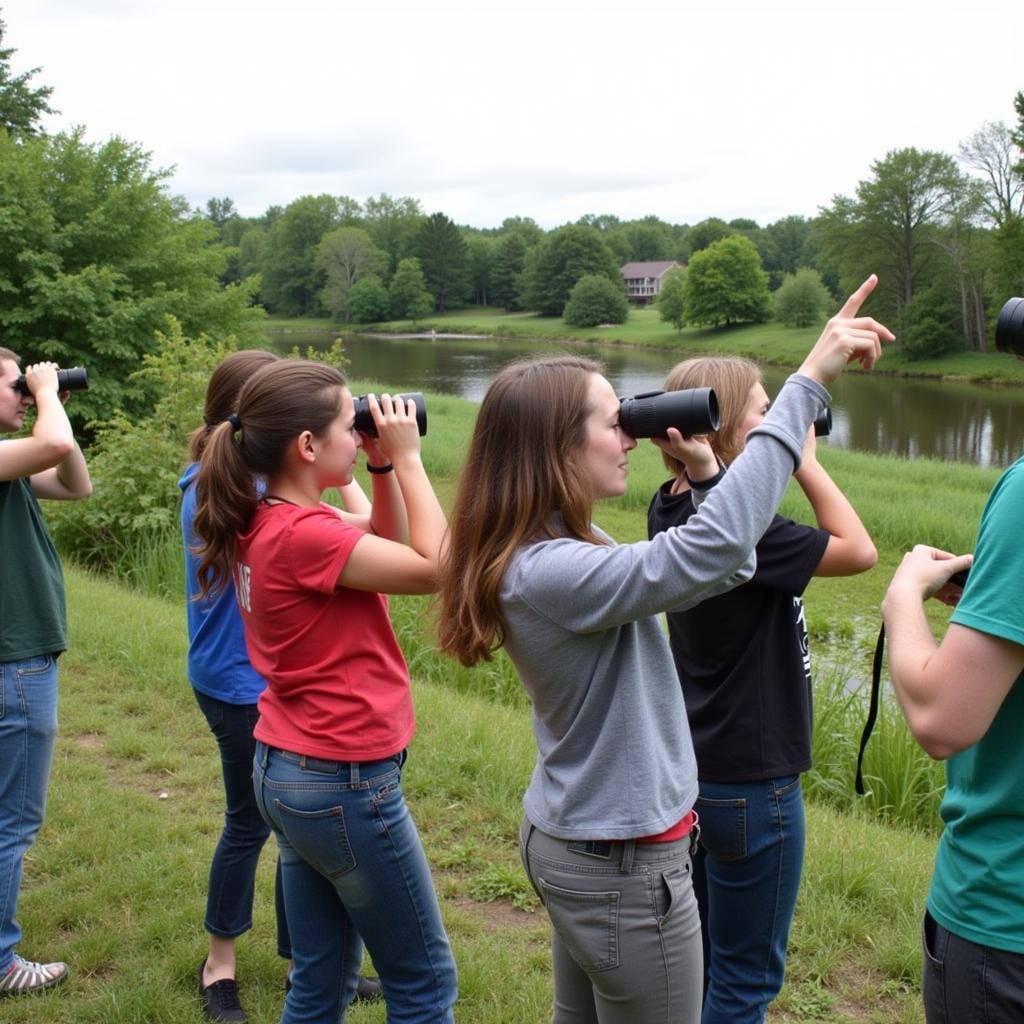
pixel 50 457
pixel 388 566
pixel 850 549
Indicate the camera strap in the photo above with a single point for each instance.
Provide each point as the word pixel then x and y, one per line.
pixel 876 688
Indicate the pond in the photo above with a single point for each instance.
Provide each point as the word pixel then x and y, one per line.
pixel 905 416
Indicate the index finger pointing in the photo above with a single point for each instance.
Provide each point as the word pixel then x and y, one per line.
pixel 852 305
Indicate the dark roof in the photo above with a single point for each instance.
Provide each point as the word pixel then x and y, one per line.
pixel 650 268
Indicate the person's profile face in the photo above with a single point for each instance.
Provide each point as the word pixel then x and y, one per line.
pixel 604 456
pixel 13 403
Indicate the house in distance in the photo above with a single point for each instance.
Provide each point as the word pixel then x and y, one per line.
pixel 643 280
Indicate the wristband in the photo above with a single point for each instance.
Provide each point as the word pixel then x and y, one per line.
pixel 379 470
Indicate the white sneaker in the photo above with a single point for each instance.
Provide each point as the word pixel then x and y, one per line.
pixel 27 976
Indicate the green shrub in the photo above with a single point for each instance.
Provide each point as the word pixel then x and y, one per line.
pixel 368 301
pixel 802 299
pixel 928 326
pixel 596 300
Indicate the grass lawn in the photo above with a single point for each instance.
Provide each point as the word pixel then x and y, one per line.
pixel 116 883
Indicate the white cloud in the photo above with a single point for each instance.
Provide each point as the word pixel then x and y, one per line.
pixel 543 109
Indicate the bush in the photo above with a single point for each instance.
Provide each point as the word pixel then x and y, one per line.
pixel 802 299
pixel 596 300
pixel 671 300
pixel 725 284
pixel 928 326
pixel 368 301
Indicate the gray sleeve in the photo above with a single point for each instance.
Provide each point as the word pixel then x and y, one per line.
pixel 590 587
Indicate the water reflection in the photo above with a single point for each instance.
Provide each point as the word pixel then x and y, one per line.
pixel 903 416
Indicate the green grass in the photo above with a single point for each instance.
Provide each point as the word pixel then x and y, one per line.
pixel 771 343
pixel 116 883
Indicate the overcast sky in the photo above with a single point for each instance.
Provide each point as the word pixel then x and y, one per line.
pixel 543 108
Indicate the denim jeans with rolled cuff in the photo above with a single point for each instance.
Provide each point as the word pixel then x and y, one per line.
pixel 229 896
pixel 28 732
pixel 625 936
pixel 746 877
pixel 354 870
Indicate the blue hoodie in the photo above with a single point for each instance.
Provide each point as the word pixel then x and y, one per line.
pixel 218 662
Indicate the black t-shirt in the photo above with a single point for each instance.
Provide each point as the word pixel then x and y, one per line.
pixel 742 656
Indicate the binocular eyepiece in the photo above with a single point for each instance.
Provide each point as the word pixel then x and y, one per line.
pixel 364 418
pixel 1010 327
pixel 690 411
pixel 74 379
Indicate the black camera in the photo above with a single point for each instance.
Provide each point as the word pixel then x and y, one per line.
pixel 1010 327
pixel 691 411
pixel 364 418
pixel 823 424
pixel 75 379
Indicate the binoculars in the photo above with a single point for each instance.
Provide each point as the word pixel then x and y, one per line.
pixel 75 379
pixel 691 411
pixel 1010 327
pixel 364 418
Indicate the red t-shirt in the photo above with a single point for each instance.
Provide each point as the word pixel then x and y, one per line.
pixel 337 684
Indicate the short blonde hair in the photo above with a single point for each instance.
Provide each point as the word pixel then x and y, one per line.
pixel 731 378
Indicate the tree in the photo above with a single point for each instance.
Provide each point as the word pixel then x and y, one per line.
pixel 506 277
pixel 408 294
pixel 649 239
pixel 94 254
pixel 726 285
pixel 220 210
pixel 526 227
pixel 481 264
pixel 444 260
pixel 392 224
pixel 785 246
pixel 368 300
pixel 1018 132
pixel 291 282
pixel 671 300
pixel 560 261
pixel 343 256
pixel 928 325
pixel 596 300
pixel 701 235
pixel 802 299
pixel 890 226
pixel 21 106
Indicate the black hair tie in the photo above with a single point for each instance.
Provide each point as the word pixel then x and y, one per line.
pixel 236 423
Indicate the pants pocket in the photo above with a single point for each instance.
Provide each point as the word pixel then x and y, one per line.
pixel 723 827
pixel 587 923
pixel 675 890
pixel 933 984
pixel 319 837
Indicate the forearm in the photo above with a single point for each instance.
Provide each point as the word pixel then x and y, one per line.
pixel 51 431
pixel 912 649
pixel 388 516
pixel 428 526
pixel 73 475
pixel 851 549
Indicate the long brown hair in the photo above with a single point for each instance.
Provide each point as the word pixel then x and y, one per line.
pixel 277 403
pixel 731 378
pixel 222 392
pixel 521 468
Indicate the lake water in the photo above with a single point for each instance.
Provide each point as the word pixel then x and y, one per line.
pixel 874 413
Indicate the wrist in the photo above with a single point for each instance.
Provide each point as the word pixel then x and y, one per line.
pixel 387 467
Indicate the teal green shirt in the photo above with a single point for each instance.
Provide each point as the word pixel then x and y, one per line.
pixel 978 886
pixel 33 620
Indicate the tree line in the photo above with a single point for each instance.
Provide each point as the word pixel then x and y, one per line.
pixel 96 253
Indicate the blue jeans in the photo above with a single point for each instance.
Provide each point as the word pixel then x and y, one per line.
pixel 353 871
pixel 967 983
pixel 28 731
pixel 746 878
pixel 233 869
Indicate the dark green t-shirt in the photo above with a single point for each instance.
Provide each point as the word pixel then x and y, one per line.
pixel 33 619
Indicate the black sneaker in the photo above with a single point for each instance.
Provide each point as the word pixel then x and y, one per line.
pixel 220 1000
pixel 368 988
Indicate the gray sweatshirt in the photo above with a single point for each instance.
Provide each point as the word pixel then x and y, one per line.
pixel 614 756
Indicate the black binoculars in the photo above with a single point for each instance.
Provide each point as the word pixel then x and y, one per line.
pixel 691 411
pixel 823 424
pixel 364 418
pixel 75 379
pixel 1010 327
